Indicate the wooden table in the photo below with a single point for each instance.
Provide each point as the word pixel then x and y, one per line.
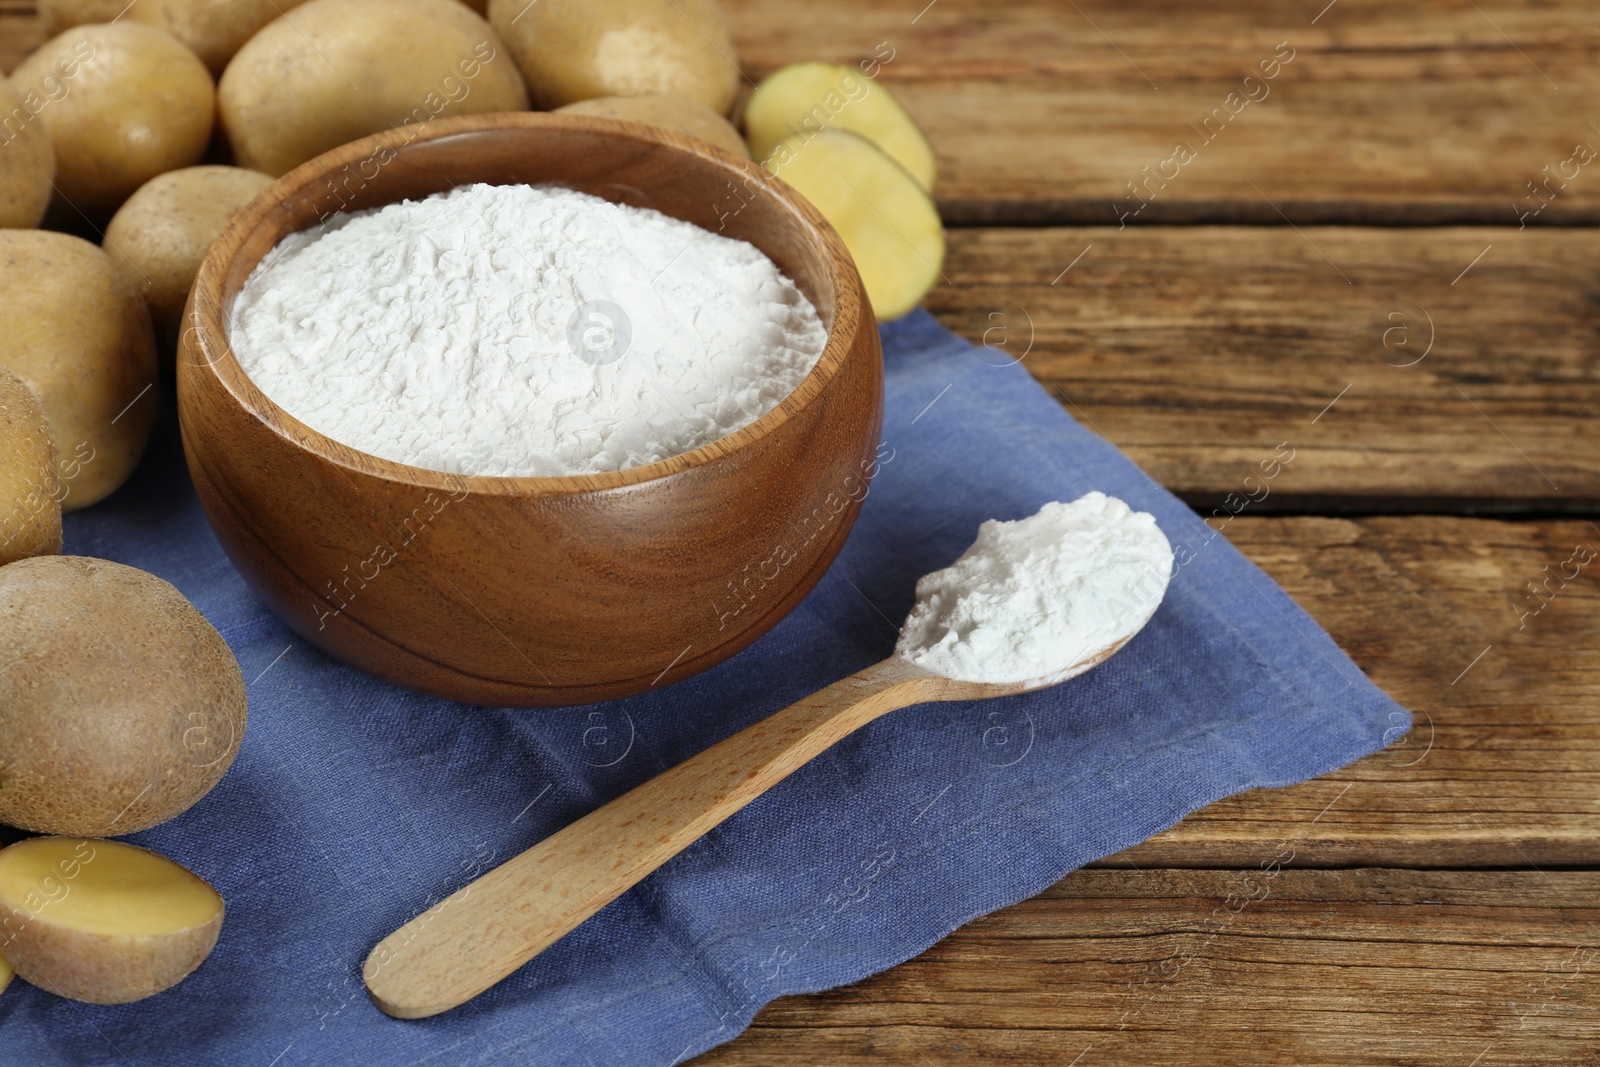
pixel 1354 263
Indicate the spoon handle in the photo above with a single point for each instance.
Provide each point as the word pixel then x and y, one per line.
pixel 471 940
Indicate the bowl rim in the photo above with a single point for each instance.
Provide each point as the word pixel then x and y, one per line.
pixel 206 330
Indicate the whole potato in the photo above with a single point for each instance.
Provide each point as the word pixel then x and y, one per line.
pixel 161 234
pixel 135 104
pixel 122 706
pixel 27 162
pixel 347 68
pixel 30 504
pixel 213 29
pixel 667 112
pixel 61 15
pixel 571 50
pixel 85 346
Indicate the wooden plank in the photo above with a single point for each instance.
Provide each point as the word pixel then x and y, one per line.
pixel 20 33
pixel 1503 766
pixel 1458 969
pixel 1434 112
pixel 1040 112
pixel 1199 349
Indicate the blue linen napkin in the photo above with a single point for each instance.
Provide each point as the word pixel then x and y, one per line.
pixel 354 804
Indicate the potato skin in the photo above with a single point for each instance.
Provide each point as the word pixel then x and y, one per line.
pixel 667 112
pixel 27 160
pixel 214 30
pixel 136 104
pixel 571 50
pixel 98 969
pixel 86 347
pixel 124 707
pixel 162 232
pixel 30 504
pixel 61 15
pixel 285 97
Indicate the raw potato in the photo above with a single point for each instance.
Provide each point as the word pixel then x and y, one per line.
pixel 103 922
pixel 129 103
pixel 343 69
pixel 161 234
pixel 81 338
pixel 807 97
pixel 888 223
pixel 30 504
pixel 61 15
pixel 5 974
pixel 213 29
pixel 668 113
pixel 571 50
pixel 122 705
pixel 27 161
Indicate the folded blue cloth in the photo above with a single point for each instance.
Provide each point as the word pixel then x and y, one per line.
pixel 354 804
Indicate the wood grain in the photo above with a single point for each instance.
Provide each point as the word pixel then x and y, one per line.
pixel 535 591
pixel 1040 112
pixel 1503 766
pixel 1197 350
pixel 20 32
pixel 1356 967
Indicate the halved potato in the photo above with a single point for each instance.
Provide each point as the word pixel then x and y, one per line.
pixel 807 97
pixel 5 974
pixel 100 921
pixel 888 223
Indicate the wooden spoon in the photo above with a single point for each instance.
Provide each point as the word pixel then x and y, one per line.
pixel 466 943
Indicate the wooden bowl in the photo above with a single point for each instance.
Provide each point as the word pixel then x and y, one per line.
pixel 535 591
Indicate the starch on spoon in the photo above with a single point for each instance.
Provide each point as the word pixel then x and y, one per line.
pixel 1034 598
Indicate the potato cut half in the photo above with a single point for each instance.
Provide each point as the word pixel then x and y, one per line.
pixel 888 223
pixel 100 921
pixel 5 974
pixel 808 97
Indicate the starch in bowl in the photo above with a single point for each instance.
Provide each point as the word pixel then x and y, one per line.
pixel 522 331
pixel 546 590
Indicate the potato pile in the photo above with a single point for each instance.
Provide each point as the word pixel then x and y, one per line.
pixel 122 707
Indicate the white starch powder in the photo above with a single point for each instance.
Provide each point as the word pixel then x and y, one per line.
pixel 520 330
pixel 1034 598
